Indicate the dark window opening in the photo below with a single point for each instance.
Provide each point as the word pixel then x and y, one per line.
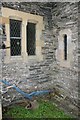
pixel 65 47
pixel 3 27
pixel 15 37
pixel 31 40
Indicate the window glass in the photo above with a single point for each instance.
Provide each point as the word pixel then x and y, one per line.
pixel 15 37
pixel 31 38
pixel 65 47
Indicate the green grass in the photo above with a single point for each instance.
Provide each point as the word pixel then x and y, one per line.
pixel 45 110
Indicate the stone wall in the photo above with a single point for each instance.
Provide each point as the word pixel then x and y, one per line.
pixel 47 73
pixel 0 54
pixel 0 50
pixel 79 52
pixel 0 70
pixel 65 16
pixel 32 75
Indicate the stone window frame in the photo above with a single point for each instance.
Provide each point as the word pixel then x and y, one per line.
pixel 8 13
pixel 60 49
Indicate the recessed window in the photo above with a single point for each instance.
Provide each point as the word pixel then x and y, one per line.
pixel 23 35
pixel 3 28
pixel 31 38
pixel 15 37
pixel 65 47
pixel 64 53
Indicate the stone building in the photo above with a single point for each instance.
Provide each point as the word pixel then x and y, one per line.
pixel 41 47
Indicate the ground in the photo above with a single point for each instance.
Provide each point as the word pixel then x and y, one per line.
pixel 46 109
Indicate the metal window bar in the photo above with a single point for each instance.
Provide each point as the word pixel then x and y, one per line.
pixel 15 38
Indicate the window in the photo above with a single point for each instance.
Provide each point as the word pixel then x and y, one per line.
pixel 15 37
pixel 64 52
pixel 3 28
pixel 65 47
pixel 31 38
pixel 23 35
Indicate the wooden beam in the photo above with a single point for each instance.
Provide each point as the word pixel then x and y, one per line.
pixel 4 20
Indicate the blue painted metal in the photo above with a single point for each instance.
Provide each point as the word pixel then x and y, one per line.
pixel 26 95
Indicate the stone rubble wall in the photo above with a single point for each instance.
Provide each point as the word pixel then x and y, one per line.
pixel 47 74
pixel 65 16
pixel 31 75
pixel 0 72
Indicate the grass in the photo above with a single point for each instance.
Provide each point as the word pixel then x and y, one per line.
pixel 46 110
